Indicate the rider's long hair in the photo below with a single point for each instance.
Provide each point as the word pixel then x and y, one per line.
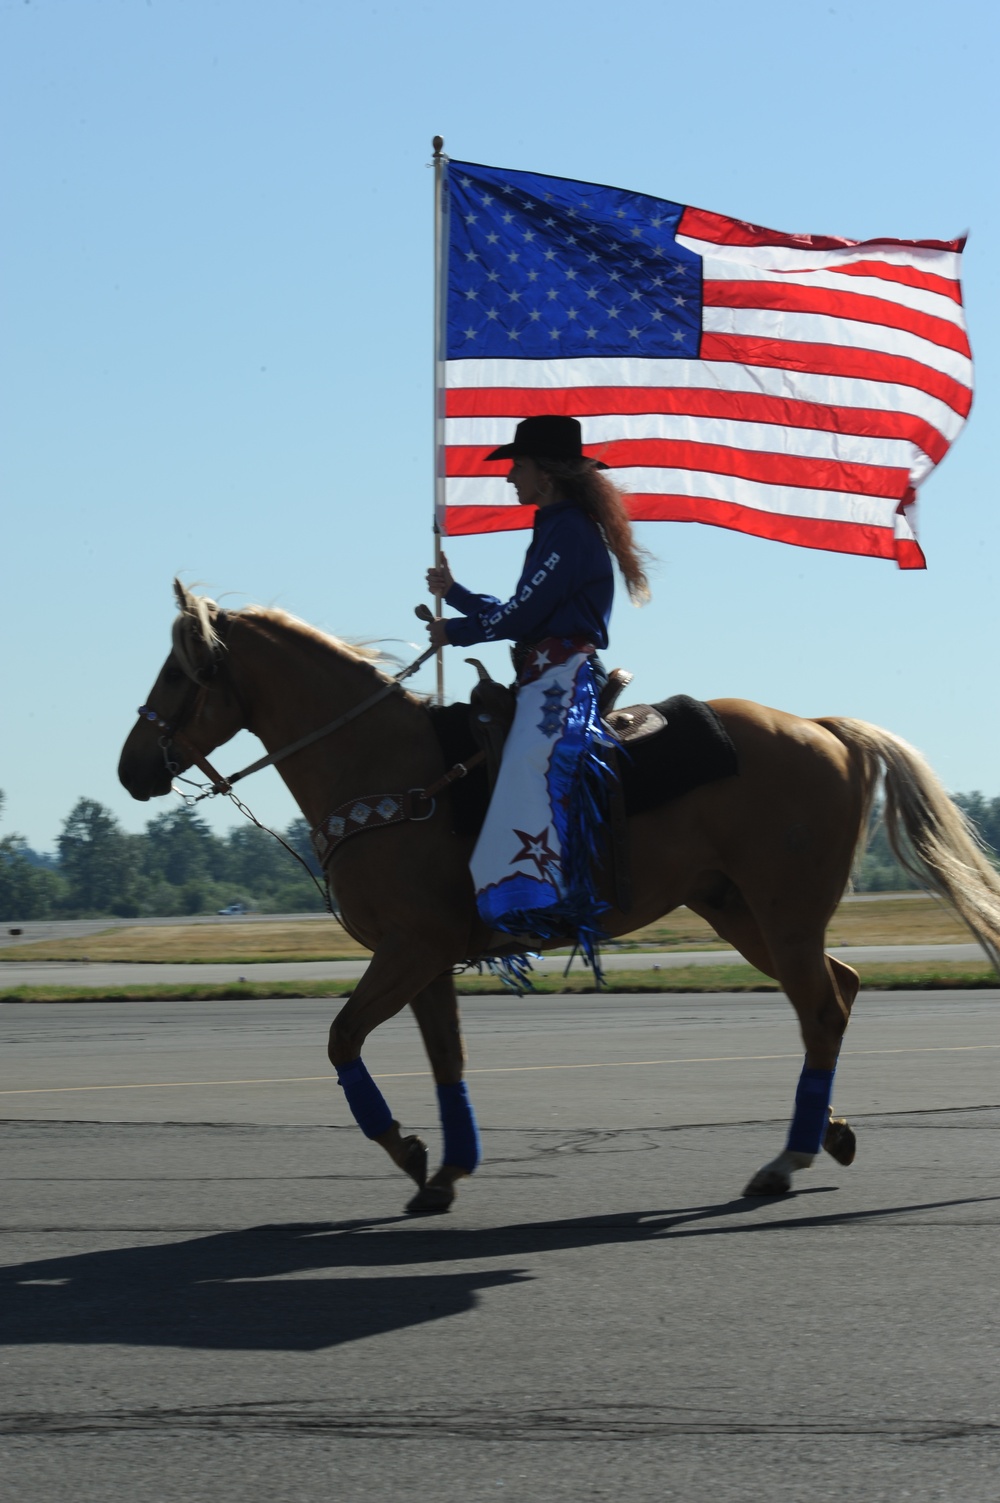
pixel 580 481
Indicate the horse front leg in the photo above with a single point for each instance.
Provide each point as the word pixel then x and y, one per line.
pixel 822 990
pixel 436 1011
pixel 397 969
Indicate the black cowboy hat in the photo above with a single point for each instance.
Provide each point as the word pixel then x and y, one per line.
pixel 556 438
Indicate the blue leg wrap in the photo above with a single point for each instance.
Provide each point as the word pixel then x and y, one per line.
pixel 458 1122
pixel 812 1110
pixel 371 1111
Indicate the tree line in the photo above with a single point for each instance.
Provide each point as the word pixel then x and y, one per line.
pixel 179 866
pixel 176 866
pixel 879 871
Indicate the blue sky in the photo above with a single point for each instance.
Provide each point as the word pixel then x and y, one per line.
pixel 216 329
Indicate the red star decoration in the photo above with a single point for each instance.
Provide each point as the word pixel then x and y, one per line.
pixel 536 848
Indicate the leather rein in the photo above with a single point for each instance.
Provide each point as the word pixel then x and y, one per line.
pixel 172 733
pixel 323 840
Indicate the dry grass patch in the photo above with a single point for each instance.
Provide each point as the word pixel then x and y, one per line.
pixel 893 920
pixel 320 938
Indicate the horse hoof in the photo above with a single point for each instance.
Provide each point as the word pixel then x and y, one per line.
pixel 840 1141
pixel 768 1182
pixel 432 1200
pixel 414 1161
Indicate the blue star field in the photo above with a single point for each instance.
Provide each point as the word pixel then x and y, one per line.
pixel 546 268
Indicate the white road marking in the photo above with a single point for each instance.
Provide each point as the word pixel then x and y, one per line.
pixel 611 1064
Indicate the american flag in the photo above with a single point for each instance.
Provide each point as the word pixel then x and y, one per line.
pixel 796 387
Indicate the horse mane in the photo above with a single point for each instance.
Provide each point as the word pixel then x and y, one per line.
pixel 195 634
pixel 283 622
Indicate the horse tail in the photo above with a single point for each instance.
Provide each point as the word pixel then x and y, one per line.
pixel 928 833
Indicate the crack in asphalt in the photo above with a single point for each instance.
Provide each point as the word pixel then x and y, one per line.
pixel 596 1423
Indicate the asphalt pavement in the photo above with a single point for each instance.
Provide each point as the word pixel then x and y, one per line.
pixel 209 1292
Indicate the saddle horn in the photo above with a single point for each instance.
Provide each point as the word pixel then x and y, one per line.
pixel 485 677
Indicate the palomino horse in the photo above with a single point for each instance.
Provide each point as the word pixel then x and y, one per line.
pixel 764 856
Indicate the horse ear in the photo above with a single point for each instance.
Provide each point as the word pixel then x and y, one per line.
pixel 194 636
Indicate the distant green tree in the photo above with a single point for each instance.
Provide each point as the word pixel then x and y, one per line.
pixel 261 871
pixel 179 848
pixel 297 835
pixel 255 860
pixel 27 890
pixel 99 861
pixel 879 870
pixel 985 815
pixel 296 896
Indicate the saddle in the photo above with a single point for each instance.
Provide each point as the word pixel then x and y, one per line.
pixel 492 706
pixel 663 751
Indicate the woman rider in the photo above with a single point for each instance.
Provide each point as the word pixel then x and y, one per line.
pixel 532 863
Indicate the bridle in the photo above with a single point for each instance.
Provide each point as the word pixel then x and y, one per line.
pixel 172 734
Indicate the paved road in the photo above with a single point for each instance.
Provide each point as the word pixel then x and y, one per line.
pixel 99 974
pixel 208 1293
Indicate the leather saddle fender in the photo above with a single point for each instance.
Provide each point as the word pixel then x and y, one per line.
pixel 492 707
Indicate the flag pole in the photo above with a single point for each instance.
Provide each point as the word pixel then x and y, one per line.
pixel 439 352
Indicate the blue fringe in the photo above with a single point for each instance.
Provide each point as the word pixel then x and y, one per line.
pixel 579 779
pixel 512 971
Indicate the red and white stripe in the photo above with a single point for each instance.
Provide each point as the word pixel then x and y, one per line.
pixel 833 376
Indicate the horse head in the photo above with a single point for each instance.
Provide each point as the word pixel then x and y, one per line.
pixel 192 707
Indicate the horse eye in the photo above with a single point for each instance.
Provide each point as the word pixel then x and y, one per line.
pixel 172 673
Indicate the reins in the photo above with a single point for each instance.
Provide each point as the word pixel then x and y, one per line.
pixel 224 785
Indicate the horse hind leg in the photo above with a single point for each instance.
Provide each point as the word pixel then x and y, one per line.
pixel 722 904
pixel 839 1140
pixel 822 990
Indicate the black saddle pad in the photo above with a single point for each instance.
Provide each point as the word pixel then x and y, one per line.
pixel 692 748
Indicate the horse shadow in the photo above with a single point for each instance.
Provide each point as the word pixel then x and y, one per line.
pixel 258 1289
pixel 251 1289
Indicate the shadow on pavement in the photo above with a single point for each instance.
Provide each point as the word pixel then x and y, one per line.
pixel 232 1291
pixel 255 1289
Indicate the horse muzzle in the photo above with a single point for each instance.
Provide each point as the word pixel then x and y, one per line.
pixel 142 771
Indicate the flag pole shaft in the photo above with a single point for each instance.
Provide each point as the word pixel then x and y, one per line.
pixel 439 478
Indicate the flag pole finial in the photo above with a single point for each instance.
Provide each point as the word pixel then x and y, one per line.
pixel 437 144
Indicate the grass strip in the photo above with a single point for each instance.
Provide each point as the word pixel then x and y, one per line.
pixel 915 976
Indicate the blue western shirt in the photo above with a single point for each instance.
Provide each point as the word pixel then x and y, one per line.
pixel 565 590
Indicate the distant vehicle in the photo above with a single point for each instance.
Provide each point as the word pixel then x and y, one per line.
pixel 234 908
